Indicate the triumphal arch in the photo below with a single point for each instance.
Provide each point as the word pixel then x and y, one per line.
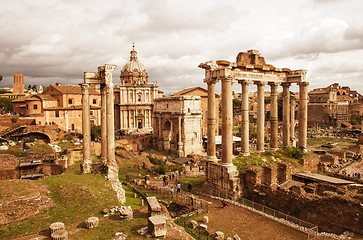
pixel 249 68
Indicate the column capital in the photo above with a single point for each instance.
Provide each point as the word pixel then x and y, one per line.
pixel 211 81
pixel 285 84
pixel 260 83
pixel 273 84
pixel 84 87
pixel 244 82
pixel 228 79
pixel 304 84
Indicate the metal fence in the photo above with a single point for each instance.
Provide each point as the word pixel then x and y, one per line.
pixel 197 233
pixel 313 233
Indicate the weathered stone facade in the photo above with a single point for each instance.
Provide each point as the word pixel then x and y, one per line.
pixel 203 93
pixel 177 124
pixel 333 105
pixel 249 68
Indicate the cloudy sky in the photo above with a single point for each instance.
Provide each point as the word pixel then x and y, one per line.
pixel 56 41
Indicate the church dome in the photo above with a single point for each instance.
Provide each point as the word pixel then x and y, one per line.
pixel 134 72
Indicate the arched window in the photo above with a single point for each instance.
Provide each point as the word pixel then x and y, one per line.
pixel 167 125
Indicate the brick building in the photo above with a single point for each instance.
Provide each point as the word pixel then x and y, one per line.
pixel 331 106
pixel 59 105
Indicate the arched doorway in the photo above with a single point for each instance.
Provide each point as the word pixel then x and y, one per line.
pixel 166 134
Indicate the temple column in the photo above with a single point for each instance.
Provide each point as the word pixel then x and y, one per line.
pixel 292 126
pixel 211 123
pixel 112 171
pixel 303 114
pixel 244 130
pixel 274 144
pixel 104 124
pixel 160 138
pixel 260 116
pixel 180 144
pixel 227 122
pixel 286 115
pixel 86 129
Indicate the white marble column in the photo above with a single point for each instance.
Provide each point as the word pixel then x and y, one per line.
pixel 112 165
pixel 274 144
pixel 286 115
pixel 211 123
pixel 244 130
pixel 180 143
pixel 260 116
pixel 292 124
pixel 303 114
pixel 86 129
pixel 227 122
pixel 103 124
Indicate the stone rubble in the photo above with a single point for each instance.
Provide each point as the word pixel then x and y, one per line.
pixel 219 235
pixel 126 213
pixel 120 192
pixel 119 236
pixel 92 222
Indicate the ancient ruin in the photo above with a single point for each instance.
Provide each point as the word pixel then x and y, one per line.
pixel 249 68
pixel 177 124
pixel 103 78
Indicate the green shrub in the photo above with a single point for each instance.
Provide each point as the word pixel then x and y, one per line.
pixel 161 169
pixel 294 152
pixel 154 160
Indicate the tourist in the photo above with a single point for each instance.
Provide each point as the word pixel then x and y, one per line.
pixel 192 199
pixel 224 203
pixel 190 187
pixel 178 186
pixel 172 192
pixel 164 180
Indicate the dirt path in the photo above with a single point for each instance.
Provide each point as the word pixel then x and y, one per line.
pixel 248 225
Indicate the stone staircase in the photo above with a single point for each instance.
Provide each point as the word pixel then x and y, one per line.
pixel 8 131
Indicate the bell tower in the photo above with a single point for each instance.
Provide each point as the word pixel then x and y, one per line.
pixel 18 85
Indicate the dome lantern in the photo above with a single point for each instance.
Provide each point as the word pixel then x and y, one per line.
pixel 134 72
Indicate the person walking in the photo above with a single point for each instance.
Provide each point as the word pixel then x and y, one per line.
pixel 172 192
pixel 164 180
pixel 178 186
pixel 192 200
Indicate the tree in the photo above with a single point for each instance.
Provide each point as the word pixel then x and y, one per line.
pixel 236 102
pixel 1 77
pixel 4 91
pixel 95 132
pixel 6 105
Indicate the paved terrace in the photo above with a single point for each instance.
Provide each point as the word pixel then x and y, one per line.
pixel 321 178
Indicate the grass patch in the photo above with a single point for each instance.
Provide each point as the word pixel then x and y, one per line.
pixel 325 140
pixel 243 163
pixel 40 147
pixel 106 229
pixel 135 203
pixel 15 150
pixel 196 181
pixel 76 197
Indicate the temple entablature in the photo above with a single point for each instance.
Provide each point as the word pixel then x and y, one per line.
pixel 250 66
